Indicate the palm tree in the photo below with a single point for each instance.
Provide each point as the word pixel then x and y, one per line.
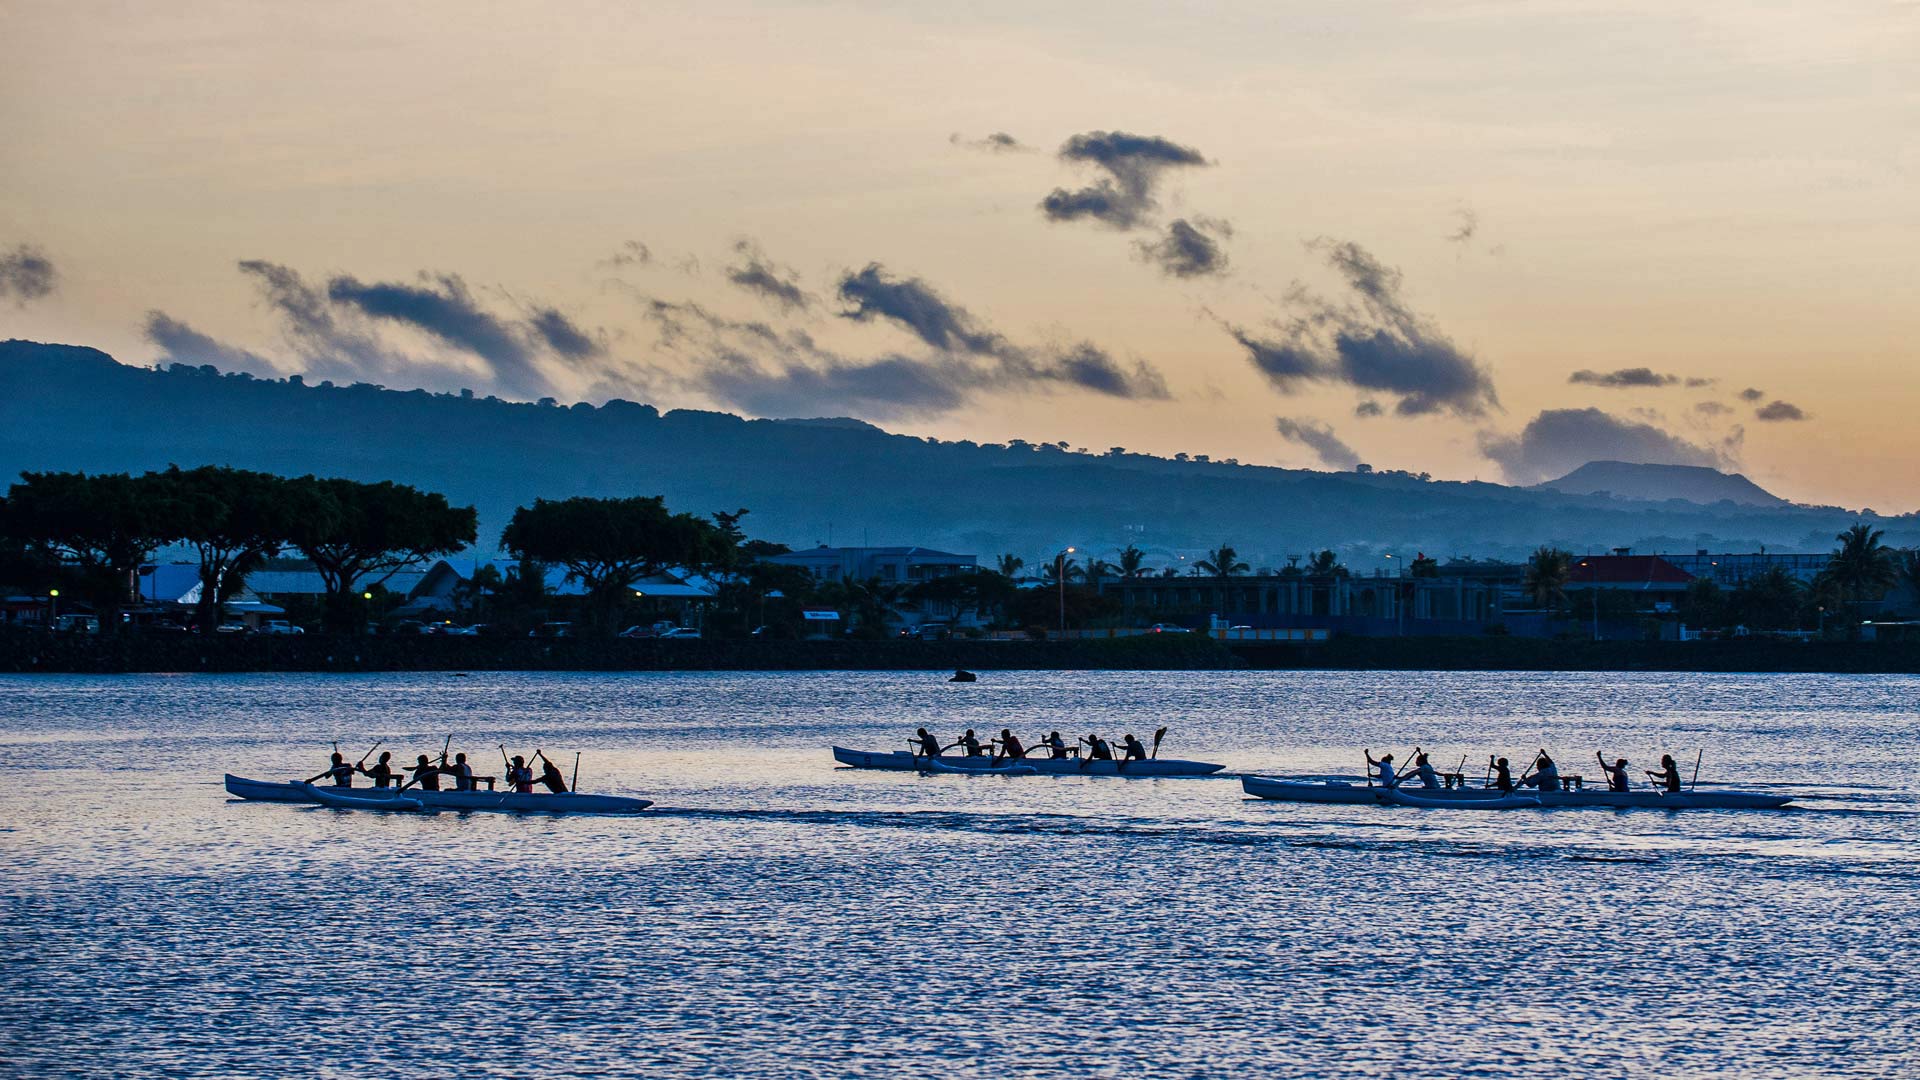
pixel 1547 572
pixel 1222 561
pixel 1053 571
pixel 1096 570
pixel 1326 564
pixel 1010 566
pixel 1132 562
pixel 1861 567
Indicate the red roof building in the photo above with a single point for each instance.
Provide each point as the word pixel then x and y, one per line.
pixel 1648 572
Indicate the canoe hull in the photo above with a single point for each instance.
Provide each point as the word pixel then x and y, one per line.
pixel 511 801
pixel 342 800
pixel 1358 794
pixel 1004 770
pixel 901 761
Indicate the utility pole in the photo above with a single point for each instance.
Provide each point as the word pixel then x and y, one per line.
pixel 1060 580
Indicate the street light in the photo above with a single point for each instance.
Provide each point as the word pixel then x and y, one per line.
pixel 1060 579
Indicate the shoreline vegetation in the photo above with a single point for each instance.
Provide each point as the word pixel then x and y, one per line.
pixel 30 653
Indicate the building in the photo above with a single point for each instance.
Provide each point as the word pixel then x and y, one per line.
pixel 903 565
pixel 1730 571
pixel 1460 603
pixel 1650 574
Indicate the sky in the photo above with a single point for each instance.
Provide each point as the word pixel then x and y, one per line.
pixel 1485 240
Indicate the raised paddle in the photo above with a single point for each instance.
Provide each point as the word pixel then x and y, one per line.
pixel 1696 768
pixel 1157 736
pixel 369 753
pixel 574 784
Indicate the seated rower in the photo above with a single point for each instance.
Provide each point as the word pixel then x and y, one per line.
pixel 461 772
pixel 1056 746
pixel 1669 775
pixel 1502 775
pixel 426 775
pixel 929 746
pixel 550 774
pixel 1616 773
pixel 1010 747
pixel 1136 751
pixel 1383 769
pixel 1545 774
pixel 1097 749
pixel 382 771
pixel 971 744
pixel 1423 770
pixel 341 772
pixel 519 776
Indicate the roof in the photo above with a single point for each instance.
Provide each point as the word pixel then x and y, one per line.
pixel 868 552
pixel 1625 570
pixel 671 585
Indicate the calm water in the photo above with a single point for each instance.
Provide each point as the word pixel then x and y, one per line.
pixel 777 916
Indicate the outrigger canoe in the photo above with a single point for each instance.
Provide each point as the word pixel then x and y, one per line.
pixel 902 761
pixel 1016 769
pixel 352 799
pixel 1336 791
pixel 571 802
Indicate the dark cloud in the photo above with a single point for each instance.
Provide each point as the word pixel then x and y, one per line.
pixel 1558 441
pixel 1133 164
pixel 1752 394
pixel 775 284
pixel 330 344
pixel 998 142
pixel 562 335
pixel 1187 250
pixel 1695 383
pixel 27 274
pixel 631 253
pixel 872 293
pixel 1712 408
pixel 1469 224
pixel 1374 343
pixel 1368 409
pixel 1623 378
pixel 443 307
pixel 182 344
pixel 1777 411
pixel 1092 368
pixel 1318 437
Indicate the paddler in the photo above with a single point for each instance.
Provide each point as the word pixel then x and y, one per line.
pixel 1669 775
pixel 425 774
pixel 1383 769
pixel 929 746
pixel 1616 772
pixel 1502 775
pixel 1423 770
pixel 382 771
pixel 1545 774
pixel 1056 746
pixel 1097 749
pixel 1136 751
pixel 461 772
pixel 341 772
pixel 971 744
pixel 519 776
pixel 1010 747
pixel 550 774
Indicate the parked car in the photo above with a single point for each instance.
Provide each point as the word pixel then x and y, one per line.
pixel 632 632
pixel 280 627
pixel 455 630
pixel 76 624
pixel 681 633
pixel 552 630
pixel 1167 628
pixel 233 628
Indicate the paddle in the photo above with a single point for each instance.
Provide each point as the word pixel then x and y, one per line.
pixel 574 785
pixel 368 754
pixel 444 747
pixel 1696 768
pixel 1157 736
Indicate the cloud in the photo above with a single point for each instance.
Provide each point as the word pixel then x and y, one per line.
pixel 1777 411
pixel 631 253
pixel 1558 441
pixel 914 305
pixel 772 283
pixel 562 335
pixel 1623 378
pixel 1091 368
pixel 1368 409
pixel 1187 250
pixel 1712 408
pixel 27 274
pixel 1695 382
pixel 330 343
pixel 182 344
pixel 1375 342
pixel 1133 165
pixel 1469 224
pixel 443 308
pixel 1752 394
pixel 998 142
pixel 1318 437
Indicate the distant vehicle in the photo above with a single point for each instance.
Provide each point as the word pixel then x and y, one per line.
pixel 682 633
pixel 552 630
pixel 165 626
pixel 632 632
pixel 1167 628
pixel 452 630
pixel 935 632
pixel 233 628
pixel 412 626
pixel 280 627
pixel 76 624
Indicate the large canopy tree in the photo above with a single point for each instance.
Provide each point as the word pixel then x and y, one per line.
pixel 103 527
pixel 359 534
pixel 608 544
pixel 236 520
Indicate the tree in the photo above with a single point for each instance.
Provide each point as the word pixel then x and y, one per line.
pixel 358 535
pixel 608 544
pixel 1548 569
pixel 1861 568
pixel 1096 571
pixel 1132 562
pixel 1770 600
pixel 1009 566
pixel 1326 564
pixel 236 520
pixel 1058 567
pixel 1703 605
pixel 1424 566
pixel 1223 562
pixel 471 593
pixel 102 526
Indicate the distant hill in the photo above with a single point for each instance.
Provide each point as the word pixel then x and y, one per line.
pixel 1694 483
pixel 66 407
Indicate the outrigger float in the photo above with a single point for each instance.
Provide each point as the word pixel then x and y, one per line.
pixel 294 791
pixel 1464 798
pixel 903 761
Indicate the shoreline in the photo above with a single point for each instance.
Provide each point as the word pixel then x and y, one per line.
pixel 30 653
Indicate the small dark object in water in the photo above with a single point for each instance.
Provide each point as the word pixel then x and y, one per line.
pixel 460 675
pixel 963 675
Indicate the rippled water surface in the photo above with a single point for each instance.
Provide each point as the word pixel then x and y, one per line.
pixel 778 916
